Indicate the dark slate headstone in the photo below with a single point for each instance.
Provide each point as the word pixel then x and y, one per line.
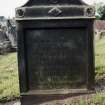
pixel 55 49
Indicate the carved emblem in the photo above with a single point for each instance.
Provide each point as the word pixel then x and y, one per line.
pixel 20 13
pixel 90 11
pixel 55 11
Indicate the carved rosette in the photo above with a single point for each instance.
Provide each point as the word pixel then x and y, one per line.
pixel 20 13
pixel 89 11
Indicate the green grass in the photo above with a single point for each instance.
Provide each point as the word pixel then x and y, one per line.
pixel 9 88
pixel 100 58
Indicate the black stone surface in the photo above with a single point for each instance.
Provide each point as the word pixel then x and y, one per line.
pixel 55 49
pixel 56 58
pixel 54 2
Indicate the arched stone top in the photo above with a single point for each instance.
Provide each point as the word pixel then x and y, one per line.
pixel 52 2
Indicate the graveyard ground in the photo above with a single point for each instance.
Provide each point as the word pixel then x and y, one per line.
pixel 9 77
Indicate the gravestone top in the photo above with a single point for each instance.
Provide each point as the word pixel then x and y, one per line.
pixel 55 9
pixel 49 2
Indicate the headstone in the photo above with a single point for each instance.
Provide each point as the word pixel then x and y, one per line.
pixel 55 49
pixel 5 44
pixel 11 33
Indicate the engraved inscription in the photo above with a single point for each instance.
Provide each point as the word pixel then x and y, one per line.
pixel 56 58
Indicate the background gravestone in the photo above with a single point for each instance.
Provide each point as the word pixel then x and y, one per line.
pixel 8 38
pixel 55 49
pixel 5 45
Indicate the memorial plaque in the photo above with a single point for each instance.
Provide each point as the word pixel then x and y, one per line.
pixel 55 49
pixel 57 58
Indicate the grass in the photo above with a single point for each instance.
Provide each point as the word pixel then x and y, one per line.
pixel 100 58
pixel 9 88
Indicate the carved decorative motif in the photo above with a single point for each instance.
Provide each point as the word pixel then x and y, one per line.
pixel 55 11
pixel 90 11
pixel 20 13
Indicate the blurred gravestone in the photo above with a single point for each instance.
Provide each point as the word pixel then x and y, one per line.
pixel 11 33
pixel 5 44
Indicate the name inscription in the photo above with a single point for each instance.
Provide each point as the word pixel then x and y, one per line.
pixel 56 58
